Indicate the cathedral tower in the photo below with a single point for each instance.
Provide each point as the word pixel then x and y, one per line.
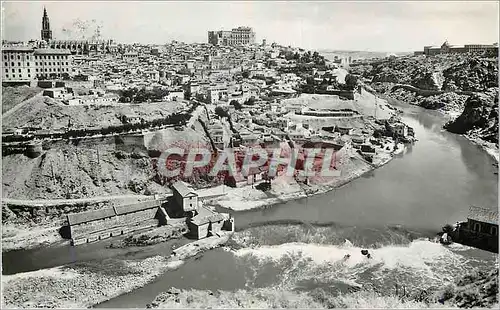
pixel 46 32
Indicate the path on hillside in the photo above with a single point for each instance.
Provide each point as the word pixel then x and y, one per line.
pixel 20 104
pixel 203 194
pixel 55 202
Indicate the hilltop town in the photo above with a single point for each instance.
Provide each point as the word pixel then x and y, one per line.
pixel 119 107
pixel 115 148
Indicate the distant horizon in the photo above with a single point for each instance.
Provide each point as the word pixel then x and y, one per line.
pixel 370 26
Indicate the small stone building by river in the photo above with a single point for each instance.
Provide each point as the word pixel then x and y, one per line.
pixel 95 225
pixel 108 222
pixel 480 230
pixel 209 223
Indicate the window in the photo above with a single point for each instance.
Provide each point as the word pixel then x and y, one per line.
pixel 28 64
pixel 36 63
pixel 494 231
pixel 12 64
pixel 13 70
pixel 29 75
pixel 18 57
pixel 28 70
pixel 19 75
pixel 36 69
pixel 6 70
pixel 45 69
pixel 11 56
pixel 6 75
pixel 6 64
pixel 19 70
pixel 19 64
pixel 477 227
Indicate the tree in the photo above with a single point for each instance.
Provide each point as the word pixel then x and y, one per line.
pixel 219 111
pixel 237 105
pixel 447 228
pixel 250 101
pixel 351 81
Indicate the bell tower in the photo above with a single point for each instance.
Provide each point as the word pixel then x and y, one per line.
pixel 46 33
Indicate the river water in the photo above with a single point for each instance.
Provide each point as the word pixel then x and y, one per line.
pixel 300 245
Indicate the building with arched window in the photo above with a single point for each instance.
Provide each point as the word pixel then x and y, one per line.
pixel 480 230
pixel 484 221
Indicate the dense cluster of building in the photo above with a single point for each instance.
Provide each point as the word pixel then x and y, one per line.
pixel 253 83
pixel 447 48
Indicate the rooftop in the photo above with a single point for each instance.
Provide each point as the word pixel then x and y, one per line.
pixel 205 216
pixel 88 216
pixel 184 189
pixel 50 51
pixel 483 215
pixel 17 49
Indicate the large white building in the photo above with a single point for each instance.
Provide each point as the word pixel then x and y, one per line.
pixel 23 64
pixel 237 36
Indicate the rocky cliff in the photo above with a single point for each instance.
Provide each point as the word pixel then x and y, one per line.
pixel 479 117
pixel 462 85
pixel 442 72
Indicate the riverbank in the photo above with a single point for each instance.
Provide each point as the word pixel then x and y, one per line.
pixel 17 237
pixel 477 288
pixel 285 189
pixel 86 284
pixel 82 285
pixel 451 112
pixel 488 147
pixel 278 298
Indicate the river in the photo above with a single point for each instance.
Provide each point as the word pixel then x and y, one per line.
pixel 300 245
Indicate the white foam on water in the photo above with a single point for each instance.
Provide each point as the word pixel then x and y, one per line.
pixel 417 255
pixel 422 259
pixel 348 243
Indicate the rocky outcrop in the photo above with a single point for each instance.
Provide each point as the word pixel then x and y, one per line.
pixel 480 115
pixel 474 290
pixel 472 74
pixel 464 85
pixel 443 72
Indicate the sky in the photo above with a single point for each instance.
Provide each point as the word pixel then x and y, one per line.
pixel 363 26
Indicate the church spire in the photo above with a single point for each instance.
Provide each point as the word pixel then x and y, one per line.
pixel 46 33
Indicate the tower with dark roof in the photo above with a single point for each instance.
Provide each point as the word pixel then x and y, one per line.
pixel 46 32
